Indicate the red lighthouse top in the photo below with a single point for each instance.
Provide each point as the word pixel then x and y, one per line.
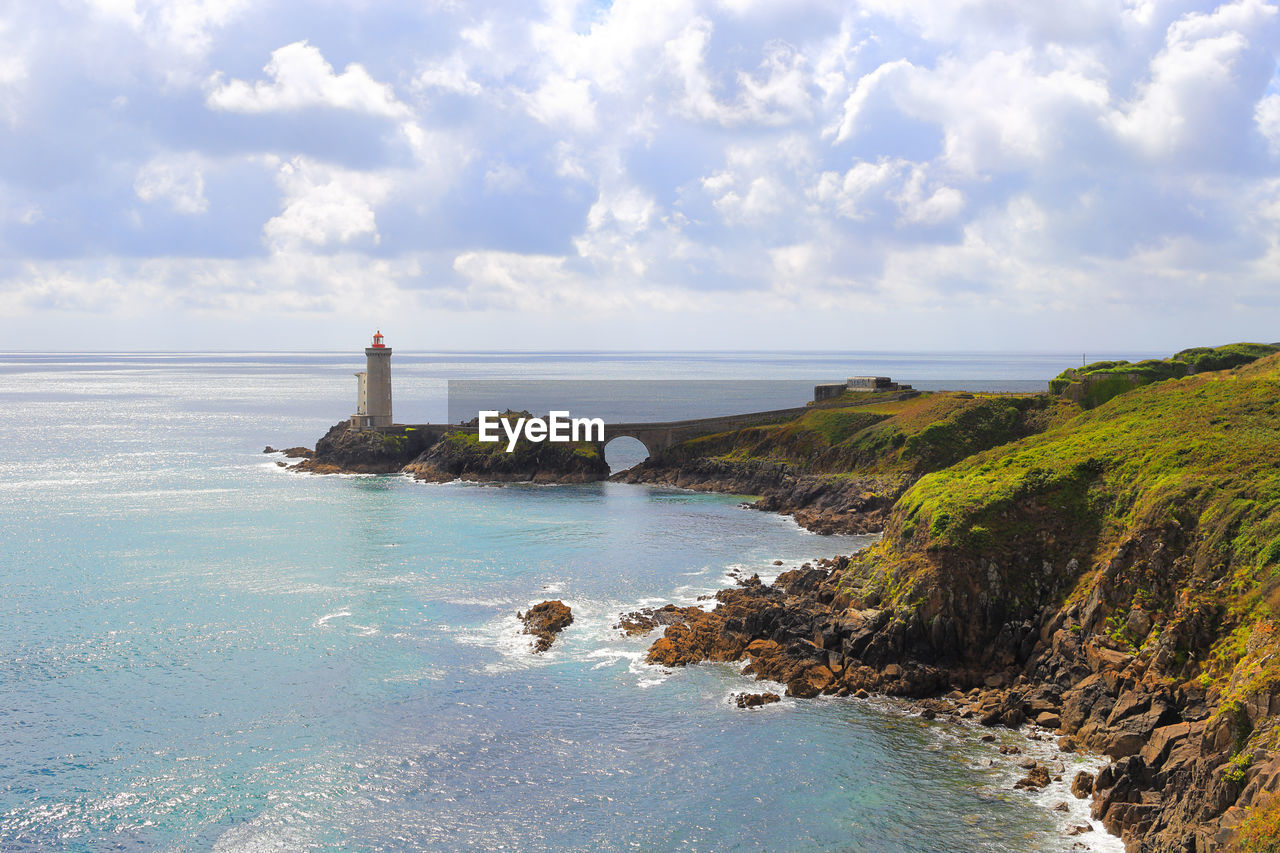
pixel 377 341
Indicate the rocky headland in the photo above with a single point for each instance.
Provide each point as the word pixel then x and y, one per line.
pixel 445 455
pixel 1110 574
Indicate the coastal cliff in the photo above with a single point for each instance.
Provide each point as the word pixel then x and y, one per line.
pixel 1113 574
pixel 453 455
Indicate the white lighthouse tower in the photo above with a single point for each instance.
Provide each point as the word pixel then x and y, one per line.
pixel 373 387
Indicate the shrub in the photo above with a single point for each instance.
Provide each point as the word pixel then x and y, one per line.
pixel 1260 830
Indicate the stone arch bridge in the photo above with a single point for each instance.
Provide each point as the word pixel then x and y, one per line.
pixel 656 436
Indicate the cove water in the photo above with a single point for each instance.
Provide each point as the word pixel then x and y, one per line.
pixel 202 651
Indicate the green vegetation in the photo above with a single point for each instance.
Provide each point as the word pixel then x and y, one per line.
pixel 1237 766
pixel 1096 383
pixel 1259 832
pixel 897 440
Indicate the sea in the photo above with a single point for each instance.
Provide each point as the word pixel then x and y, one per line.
pixel 204 651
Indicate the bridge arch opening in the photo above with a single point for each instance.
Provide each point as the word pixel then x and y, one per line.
pixel 623 452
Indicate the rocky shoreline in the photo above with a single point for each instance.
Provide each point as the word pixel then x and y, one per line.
pixel 1166 788
pixel 821 504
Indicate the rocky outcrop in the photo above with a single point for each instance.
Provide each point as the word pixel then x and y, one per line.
pixel 818 503
pixel 460 457
pixel 545 621
pixel 343 450
pixel 292 452
pixel 438 455
pixel 756 700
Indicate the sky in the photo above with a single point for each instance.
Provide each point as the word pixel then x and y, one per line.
pixel 642 174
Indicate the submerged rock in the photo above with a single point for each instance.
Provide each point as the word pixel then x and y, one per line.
pixel 544 621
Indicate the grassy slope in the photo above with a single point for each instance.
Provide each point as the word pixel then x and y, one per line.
pixel 1196 460
pixel 893 440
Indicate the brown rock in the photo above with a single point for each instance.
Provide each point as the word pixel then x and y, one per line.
pixel 1036 779
pixel 645 620
pixel 544 621
pixel 1082 785
pixel 756 700
pixel 1048 720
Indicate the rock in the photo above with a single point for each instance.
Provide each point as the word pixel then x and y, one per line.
pixel 269 449
pixel 1078 829
pixel 777 562
pixel 544 621
pixel 1066 744
pixel 1138 624
pixel 861 694
pixel 988 738
pixel 645 620
pixel 1048 720
pixel 756 700
pixel 298 453
pixel 458 456
pixel 1062 807
pixel 1082 784
pixel 1162 741
pixel 1037 778
pixel 344 450
pixel 1122 744
pixel 1027 763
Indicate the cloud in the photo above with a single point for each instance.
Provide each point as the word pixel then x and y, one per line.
pixel 1267 115
pixel 1193 96
pixel 643 156
pixel 175 179
pixel 301 78
pixel 325 205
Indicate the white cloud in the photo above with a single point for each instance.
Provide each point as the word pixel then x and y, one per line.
pixel 920 206
pixel 325 205
pixel 1267 115
pixel 451 75
pixel 851 194
pixel 944 154
pixel 177 179
pixel 1000 112
pixel 301 78
pixel 562 101
pixel 1194 78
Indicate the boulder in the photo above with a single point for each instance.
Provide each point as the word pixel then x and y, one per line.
pixel 544 621
pixel 1036 778
pixel 1082 784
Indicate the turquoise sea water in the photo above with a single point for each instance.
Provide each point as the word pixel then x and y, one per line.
pixel 201 651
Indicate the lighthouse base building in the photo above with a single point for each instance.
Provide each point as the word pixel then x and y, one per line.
pixel 373 387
